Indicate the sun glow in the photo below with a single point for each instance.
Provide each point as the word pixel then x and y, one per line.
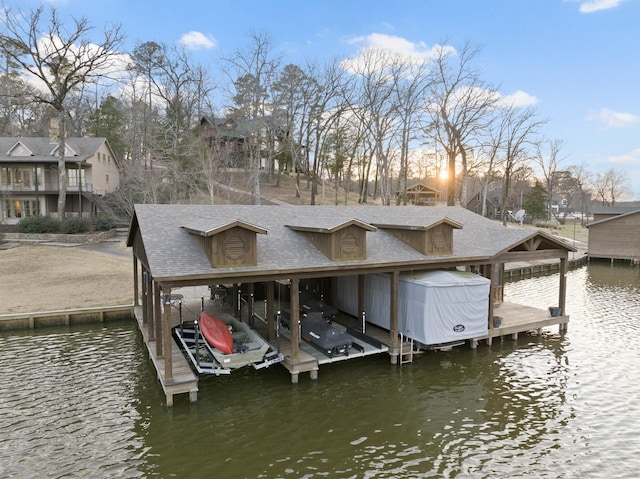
pixel 443 174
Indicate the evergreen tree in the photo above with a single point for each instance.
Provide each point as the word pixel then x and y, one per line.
pixel 108 122
pixel 535 201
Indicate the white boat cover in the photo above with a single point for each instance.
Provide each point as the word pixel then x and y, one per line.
pixel 434 307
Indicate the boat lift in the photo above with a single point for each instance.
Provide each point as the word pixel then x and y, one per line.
pixel 203 356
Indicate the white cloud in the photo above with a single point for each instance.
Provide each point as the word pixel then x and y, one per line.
pixel 519 98
pixel 613 119
pixel 393 45
pixel 197 40
pixel 629 160
pixel 591 6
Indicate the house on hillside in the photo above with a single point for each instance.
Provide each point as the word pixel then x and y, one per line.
pixel 614 233
pixel 421 195
pixel 492 205
pixel 232 138
pixel 29 176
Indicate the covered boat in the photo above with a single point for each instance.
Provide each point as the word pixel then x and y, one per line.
pixel 434 307
pixel 323 336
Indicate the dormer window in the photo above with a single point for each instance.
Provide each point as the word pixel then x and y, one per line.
pixel 339 240
pixel 227 243
pixel 431 239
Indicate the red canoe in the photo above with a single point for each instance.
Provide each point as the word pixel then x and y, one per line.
pixel 216 332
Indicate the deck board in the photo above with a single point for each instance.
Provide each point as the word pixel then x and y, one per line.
pixel 184 379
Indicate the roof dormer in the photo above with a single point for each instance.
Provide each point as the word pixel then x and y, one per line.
pixel 338 240
pixel 68 151
pixel 227 243
pixel 20 149
pixel 431 239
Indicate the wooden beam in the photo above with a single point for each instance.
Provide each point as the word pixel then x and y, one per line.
pixel 146 304
pixel 235 291
pixel 166 333
pixel 562 294
pixel 393 314
pixel 361 278
pixel 157 314
pixel 270 312
pixel 488 273
pixel 136 292
pixel 294 302
pixel 531 255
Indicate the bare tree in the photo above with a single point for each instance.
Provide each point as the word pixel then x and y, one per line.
pixel 252 72
pixel 522 127
pixel 61 59
pixel 460 107
pixel 610 186
pixel 328 102
pixel 377 109
pixel 549 163
pixel 411 82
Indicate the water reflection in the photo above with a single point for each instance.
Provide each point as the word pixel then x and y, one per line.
pixel 84 402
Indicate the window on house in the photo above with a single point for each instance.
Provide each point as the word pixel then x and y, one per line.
pixel 14 209
pixel 74 176
pixel 5 176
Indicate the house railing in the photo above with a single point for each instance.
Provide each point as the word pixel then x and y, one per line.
pixel 47 187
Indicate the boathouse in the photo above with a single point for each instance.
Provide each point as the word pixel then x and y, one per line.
pixel 280 254
pixel 614 234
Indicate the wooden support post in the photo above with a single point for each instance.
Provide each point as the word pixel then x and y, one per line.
pixel 157 314
pixel 488 273
pixel 294 301
pixel 235 291
pixel 166 339
pixel 270 312
pixel 250 312
pixel 136 280
pixel 393 315
pixel 150 316
pixel 562 296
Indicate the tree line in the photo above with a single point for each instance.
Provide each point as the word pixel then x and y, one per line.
pixel 372 125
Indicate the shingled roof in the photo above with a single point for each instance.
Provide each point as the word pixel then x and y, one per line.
pixel 43 150
pixel 173 254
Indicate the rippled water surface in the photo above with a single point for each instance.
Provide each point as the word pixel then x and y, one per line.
pixel 84 402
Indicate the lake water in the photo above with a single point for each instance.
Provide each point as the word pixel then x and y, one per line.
pixel 84 402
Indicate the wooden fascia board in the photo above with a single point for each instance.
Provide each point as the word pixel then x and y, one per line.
pixel 258 276
pixel 531 239
pixel 224 227
pixel 333 229
pixel 512 256
pixel 453 224
pixel 613 218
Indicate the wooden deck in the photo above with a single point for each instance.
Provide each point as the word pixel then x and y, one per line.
pixel 184 379
pixel 517 319
pixel 309 358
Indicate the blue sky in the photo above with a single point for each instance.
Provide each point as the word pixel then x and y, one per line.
pixel 578 61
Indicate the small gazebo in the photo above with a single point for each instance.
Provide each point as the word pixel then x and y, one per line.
pixel 421 195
